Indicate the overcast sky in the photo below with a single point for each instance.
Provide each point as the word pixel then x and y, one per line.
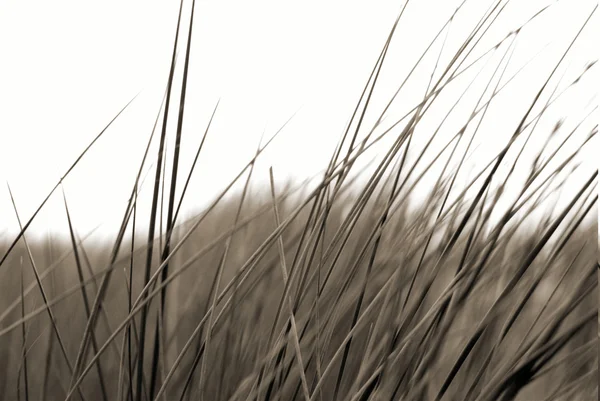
pixel 67 67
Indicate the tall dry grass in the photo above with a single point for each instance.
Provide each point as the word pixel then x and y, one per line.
pixel 345 287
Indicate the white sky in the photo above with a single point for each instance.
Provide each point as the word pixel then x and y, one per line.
pixel 67 67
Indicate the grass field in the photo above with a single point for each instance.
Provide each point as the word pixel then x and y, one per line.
pixel 352 285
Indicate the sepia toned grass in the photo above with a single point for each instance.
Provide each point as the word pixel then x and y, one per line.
pixel 351 285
